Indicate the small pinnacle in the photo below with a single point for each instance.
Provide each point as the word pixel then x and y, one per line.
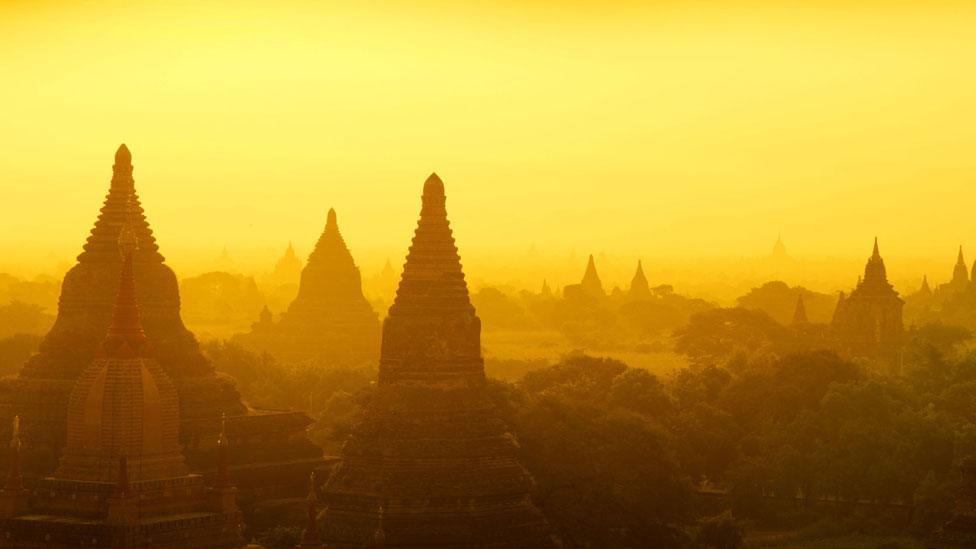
pixel 330 221
pixel 433 186
pixel 123 156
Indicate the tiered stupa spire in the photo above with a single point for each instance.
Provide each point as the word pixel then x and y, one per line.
pixel 330 319
pixel 960 273
pixel 639 288
pixel 591 284
pixel 800 311
pixel 465 490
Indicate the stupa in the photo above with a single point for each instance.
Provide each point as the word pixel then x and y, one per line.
pixel 330 319
pixel 800 311
pixel 272 451
pixel 639 288
pixel 123 481
pixel 288 269
pixel 431 464
pixel 589 287
pixel 868 321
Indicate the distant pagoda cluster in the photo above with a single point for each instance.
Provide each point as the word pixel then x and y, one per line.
pixel 430 464
pixel 590 288
pixel 952 302
pixel 330 320
pixel 272 452
pixel 868 321
pixel 122 479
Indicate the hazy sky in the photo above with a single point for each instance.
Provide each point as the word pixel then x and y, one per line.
pixel 666 130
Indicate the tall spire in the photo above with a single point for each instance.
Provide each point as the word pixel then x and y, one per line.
pixel 432 279
pixel 638 285
pixel 310 535
pixel 121 205
pixel 960 274
pixel 875 275
pixel 800 311
pixel 126 337
pixel 925 289
pixel 591 283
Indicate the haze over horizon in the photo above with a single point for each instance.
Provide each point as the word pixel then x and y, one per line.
pixel 669 131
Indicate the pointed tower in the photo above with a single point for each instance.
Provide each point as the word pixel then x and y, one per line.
pixel 122 474
pixel 591 284
pixel 41 392
pixel 800 312
pixel 869 321
pixel 925 290
pixel 465 490
pixel 546 290
pixel 960 273
pixel 288 269
pixel 639 288
pixel 330 318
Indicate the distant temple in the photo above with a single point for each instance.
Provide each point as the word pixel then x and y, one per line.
pixel 868 321
pixel 779 251
pixel 430 465
pixel 639 288
pixel 122 480
pixel 800 312
pixel 271 450
pixel 330 318
pixel 288 268
pixel 589 287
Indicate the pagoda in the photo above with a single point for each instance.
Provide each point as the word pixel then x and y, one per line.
pixel 431 464
pixel 868 321
pixel 590 287
pixel 288 269
pixel 639 288
pixel 272 451
pixel 330 318
pixel 123 480
pixel 800 311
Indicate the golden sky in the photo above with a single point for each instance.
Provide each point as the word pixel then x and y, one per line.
pixel 651 129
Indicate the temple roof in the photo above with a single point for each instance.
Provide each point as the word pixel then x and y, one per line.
pixel 800 311
pixel 638 285
pixel 875 275
pixel 591 283
pixel 103 241
pixel 330 274
pixel 960 274
pixel 432 279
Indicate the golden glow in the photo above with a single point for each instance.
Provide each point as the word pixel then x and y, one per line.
pixel 673 130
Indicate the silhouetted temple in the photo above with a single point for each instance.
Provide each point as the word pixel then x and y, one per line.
pixel 800 312
pixel 122 481
pixel 868 322
pixel 330 318
pixel 589 287
pixel 271 449
pixel 430 464
pixel 287 269
pixel 639 288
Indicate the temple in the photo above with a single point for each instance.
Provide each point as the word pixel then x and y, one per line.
pixel 330 319
pixel 639 288
pixel 430 464
pixel 868 321
pixel 288 269
pixel 123 480
pixel 589 287
pixel 800 312
pixel 272 452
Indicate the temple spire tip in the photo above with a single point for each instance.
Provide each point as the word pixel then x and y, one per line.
pixel 433 185
pixel 122 155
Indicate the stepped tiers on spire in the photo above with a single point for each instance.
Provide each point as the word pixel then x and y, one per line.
pixel 330 319
pixel 589 288
pixel 868 321
pixel 123 481
pixel 40 393
pixel 430 464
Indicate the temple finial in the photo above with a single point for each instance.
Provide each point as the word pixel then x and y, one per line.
pixel 876 253
pixel 330 221
pixel 433 186
pixel 122 156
